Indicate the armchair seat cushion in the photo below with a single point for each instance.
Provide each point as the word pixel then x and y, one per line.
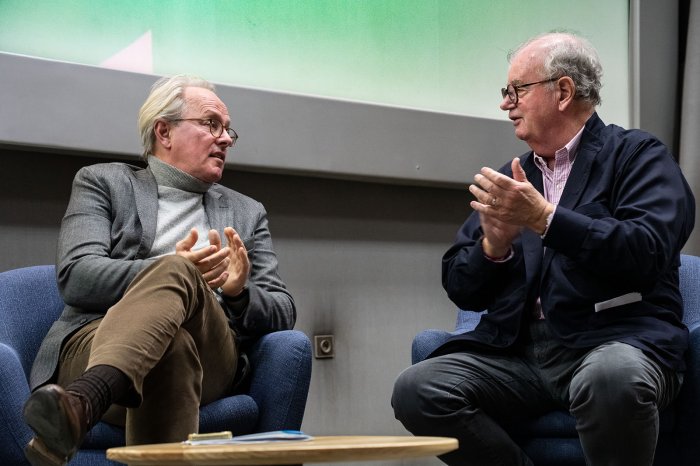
pixel 561 424
pixel 556 424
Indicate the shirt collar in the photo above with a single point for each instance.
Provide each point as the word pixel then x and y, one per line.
pixel 569 150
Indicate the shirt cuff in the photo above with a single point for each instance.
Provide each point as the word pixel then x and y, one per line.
pixel 498 260
pixel 549 222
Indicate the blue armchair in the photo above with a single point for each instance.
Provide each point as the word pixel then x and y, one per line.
pixel 30 302
pixel 552 439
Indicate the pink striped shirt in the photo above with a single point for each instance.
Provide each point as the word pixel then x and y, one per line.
pixel 554 180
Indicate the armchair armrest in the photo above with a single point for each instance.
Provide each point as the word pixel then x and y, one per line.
pixel 426 342
pixel 688 402
pixel 14 390
pixel 429 340
pixel 280 378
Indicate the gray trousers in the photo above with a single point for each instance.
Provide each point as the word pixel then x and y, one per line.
pixel 171 337
pixel 614 392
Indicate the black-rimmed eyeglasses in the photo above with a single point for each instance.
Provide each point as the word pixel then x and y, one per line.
pixel 216 128
pixel 513 90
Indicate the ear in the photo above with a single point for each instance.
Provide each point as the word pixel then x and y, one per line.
pixel 161 130
pixel 567 92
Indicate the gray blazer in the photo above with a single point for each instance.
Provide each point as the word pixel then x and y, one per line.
pixel 107 233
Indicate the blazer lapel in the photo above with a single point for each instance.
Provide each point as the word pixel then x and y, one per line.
pixel 532 242
pixel 216 207
pixel 589 147
pixel 146 198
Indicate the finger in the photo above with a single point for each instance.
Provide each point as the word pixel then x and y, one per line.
pixel 518 172
pixel 484 183
pixel 234 241
pixel 208 257
pixel 242 256
pixel 215 239
pixel 187 242
pixel 498 179
pixel 217 270
pixel 479 207
pixel 200 256
pixel 218 281
pixel 483 197
pixel 239 249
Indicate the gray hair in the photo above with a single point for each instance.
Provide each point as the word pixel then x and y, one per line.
pixel 165 102
pixel 567 54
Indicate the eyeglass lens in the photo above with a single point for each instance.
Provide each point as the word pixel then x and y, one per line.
pixel 217 129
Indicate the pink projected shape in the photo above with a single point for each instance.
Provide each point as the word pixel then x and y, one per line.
pixel 137 57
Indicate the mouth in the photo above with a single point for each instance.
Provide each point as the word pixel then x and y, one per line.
pixel 219 155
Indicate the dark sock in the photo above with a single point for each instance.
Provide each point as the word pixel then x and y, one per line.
pixel 101 385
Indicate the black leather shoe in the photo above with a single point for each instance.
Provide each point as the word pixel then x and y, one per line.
pixel 60 421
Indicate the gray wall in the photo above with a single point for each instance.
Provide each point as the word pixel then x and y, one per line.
pixel 88 109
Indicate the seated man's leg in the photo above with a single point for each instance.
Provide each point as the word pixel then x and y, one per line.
pixel 171 396
pixel 171 337
pixel 615 395
pixel 168 318
pixel 166 296
pixel 467 396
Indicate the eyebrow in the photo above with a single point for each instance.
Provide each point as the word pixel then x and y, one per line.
pixel 211 115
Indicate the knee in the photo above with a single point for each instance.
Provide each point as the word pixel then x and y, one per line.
pixel 611 379
pixel 176 265
pixel 173 270
pixel 414 399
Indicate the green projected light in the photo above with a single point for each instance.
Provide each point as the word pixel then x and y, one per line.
pixel 440 55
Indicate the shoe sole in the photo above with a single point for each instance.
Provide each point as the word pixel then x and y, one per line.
pixel 46 416
pixel 38 455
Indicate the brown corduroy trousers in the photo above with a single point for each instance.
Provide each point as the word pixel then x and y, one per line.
pixel 170 336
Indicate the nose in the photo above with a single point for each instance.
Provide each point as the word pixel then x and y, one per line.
pixel 506 103
pixel 225 140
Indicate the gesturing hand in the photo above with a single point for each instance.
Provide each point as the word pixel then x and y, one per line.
pixel 212 261
pixel 238 266
pixel 507 204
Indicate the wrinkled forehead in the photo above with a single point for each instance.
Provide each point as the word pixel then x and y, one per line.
pixel 526 64
pixel 203 103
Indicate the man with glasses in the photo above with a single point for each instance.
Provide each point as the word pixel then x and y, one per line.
pixel 573 251
pixel 157 304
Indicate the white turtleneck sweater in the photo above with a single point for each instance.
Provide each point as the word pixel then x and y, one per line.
pixel 180 207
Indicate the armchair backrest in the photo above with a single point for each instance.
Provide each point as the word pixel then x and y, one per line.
pixel 689 273
pixel 29 304
pixel 690 289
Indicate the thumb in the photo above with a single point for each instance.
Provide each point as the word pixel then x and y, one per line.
pixel 188 241
pixel 518 172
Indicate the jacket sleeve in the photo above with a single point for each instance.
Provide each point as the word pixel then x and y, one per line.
pixel 265 306
pixel 88 276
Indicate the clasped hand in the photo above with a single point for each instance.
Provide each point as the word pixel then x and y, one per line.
pixel 226 268
pixel 505 206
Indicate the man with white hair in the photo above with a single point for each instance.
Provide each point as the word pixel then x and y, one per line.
pixel 156 306
pixel 573 250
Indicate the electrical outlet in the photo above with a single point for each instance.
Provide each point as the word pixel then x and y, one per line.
pixel 324 346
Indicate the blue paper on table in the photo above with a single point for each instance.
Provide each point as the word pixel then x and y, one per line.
pixel 273 436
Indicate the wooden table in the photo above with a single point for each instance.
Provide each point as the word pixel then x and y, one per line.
pixel 316 450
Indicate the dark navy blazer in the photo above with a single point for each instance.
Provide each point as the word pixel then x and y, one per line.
pixel 625 213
